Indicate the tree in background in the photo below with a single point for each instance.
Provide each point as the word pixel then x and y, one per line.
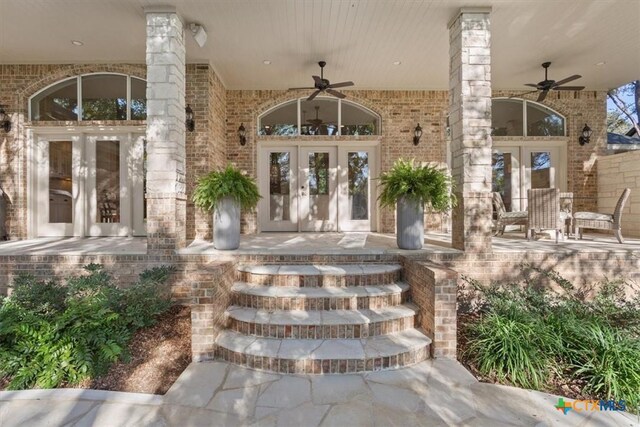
pixel 626 113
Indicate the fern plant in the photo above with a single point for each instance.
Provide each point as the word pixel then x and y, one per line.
pixel 230 182
pixel 426 185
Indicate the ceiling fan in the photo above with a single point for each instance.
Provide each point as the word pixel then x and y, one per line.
pixel 546 85
pixel 323 85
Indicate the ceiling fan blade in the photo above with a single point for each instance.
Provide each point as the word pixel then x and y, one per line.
pixel 569 88
pixel 567 80
pixel 342 84
pixel 531 84
pixel 313 95
pixel 300 88
pixel 336 93
pixel 543 95
pixel 317 79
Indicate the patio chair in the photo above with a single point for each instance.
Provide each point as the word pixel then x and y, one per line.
pixel 601 221
pixel 544 211
pixel 504 218
pixel 566 206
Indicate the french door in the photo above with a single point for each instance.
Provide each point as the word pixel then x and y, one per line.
pixel 90 185
pixel 521 166
pixel 317 188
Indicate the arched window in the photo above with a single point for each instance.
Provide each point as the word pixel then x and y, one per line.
pixel 519 117
pixel 321 116
pixel 103 96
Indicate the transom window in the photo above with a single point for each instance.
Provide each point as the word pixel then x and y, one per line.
pixel 104 96
pixel 320 116
pixel 519 117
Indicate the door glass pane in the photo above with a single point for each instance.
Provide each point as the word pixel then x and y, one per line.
pixel 502 167
pixel 358 170
pixel 279 186
pixel 108 181
pixel 541 169
pixel 59 102
pixel 318 186
pixel 104 97
pixel 541 121
pixel 60 182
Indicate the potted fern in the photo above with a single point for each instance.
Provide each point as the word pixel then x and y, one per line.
pixel 411 187
pixel 225 193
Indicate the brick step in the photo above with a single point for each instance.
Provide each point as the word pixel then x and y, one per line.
pixel 305 356
pixel 333 324
pixel 339 275
pixel 330 298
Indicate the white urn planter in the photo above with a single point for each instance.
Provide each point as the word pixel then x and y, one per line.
pixel 226 224
pixel 409 224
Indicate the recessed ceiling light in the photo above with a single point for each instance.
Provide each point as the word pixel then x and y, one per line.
pixel 77 43
pixel 267 62
pixel 601 63
pixel 397 62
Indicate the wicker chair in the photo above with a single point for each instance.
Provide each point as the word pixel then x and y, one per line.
pixel 504 218
pixel 600 221
pixel 544 211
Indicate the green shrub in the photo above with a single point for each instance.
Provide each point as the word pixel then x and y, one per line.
pixel 526 335
pixel 52 335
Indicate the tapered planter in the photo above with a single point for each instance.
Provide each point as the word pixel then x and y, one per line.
pixel 226 224
pixel 409 224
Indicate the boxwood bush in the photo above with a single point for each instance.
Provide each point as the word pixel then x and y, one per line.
pixel 531 336
pixel 54 334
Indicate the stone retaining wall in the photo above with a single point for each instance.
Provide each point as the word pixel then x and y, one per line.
pixel 615 173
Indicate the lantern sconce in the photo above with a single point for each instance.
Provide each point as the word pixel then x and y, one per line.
pixel 242 134
pixel 585 137
pixel 5 123
pixel 189 122
pixel 417 134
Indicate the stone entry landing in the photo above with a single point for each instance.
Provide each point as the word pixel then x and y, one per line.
pixel 320 319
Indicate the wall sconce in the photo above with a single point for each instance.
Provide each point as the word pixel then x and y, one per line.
pixel 417 134
pixel 189 122
pixel 586 135
pixel 242 134
pixel 5 123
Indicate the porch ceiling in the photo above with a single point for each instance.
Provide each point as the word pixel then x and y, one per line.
pixel 359 39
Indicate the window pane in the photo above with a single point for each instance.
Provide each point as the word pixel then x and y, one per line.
pixel 358 170
pixel 108 181
pixel 542 121
pixel 59 102
pixel 279 186
pixel 501 164
pixel 138 99
pixel 104 97
pixel 60 182
pixel 358 121
pixel 541 169
pixel 506 117
pixel 281 121
pixel 319 117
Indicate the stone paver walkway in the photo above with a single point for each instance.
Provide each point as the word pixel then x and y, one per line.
pixel 432 393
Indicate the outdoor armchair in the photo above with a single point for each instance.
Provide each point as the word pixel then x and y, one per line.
pixel 599 221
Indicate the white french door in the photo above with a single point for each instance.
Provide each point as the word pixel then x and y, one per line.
pixel 89 185
pixel 520 166
pixel 307 187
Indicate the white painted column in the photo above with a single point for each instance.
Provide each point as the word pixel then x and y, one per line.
pixel 165 198
pixel 470 122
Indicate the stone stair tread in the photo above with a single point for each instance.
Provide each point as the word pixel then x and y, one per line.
pixel 323 292
pixel 319 270
pixel 333 317
pixel 338 349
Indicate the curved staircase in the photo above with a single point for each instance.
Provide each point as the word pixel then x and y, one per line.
pixel 318 319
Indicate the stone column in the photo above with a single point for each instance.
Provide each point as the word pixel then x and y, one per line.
pixel 166 198
pixel 470 123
